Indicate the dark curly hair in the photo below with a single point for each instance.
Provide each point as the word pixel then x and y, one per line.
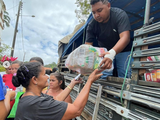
pixel 48 72
pixel 59 78
pixel 25 73
pixel 54 69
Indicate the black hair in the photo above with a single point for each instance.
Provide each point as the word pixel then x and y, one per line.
pixel 92 2
pixel 17 62
pixel 60 78
pixel 25 73
pixel 54 69
pixel 38 59
pixel 48 72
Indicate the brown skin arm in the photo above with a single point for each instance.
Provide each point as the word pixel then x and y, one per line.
pixel 120 45
pixel 75 109
pixel 123 41
pixel 68 99
pixel 4 112
pixel 64 94
pixel 9 96
pixel 89 43
pixel 5 104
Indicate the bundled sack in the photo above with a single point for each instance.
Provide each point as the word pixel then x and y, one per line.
pixel 85 59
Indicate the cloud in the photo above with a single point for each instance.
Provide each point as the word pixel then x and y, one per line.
pixel 53 20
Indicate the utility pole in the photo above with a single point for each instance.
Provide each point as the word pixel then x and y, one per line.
pixel 15 30
pixel 24 56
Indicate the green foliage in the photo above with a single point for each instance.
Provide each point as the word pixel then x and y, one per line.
pixel 83 11
pixel 2 69
pixel 52 65
pixel 4 49
pixel 26 62
pixel 6 19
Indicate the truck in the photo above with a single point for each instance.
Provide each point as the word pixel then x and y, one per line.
pixel 123 98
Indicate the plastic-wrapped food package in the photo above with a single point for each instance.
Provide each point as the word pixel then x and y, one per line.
pixel 85 59
pixel 153 58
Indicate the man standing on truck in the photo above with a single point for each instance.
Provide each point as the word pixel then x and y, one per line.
pixel 111 28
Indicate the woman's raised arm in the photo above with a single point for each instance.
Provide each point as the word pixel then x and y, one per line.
pixel 75 109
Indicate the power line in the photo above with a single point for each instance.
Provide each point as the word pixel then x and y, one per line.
pixel 14 11
pixel 12 7
pixel 22 35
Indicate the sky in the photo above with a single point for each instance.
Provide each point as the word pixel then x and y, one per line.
pixel 38 36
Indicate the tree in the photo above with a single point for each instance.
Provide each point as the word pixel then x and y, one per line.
pixel 4 49
pixel 6 19
pixel 83 11
pixel 52 65
pixel 26 62
pixel 2 69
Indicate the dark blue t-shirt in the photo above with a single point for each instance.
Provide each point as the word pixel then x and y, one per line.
pixel 107 34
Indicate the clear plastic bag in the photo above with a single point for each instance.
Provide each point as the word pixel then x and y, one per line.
pixel 85 59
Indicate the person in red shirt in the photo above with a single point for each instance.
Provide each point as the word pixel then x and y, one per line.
pixel 8 70
pixel 7 78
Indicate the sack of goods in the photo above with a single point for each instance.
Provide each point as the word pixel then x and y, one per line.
pixel 85 59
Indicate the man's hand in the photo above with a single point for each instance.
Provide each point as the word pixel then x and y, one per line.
pixel 89 43
pixel 108 59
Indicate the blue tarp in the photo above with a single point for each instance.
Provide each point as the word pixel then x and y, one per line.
pixel 135 10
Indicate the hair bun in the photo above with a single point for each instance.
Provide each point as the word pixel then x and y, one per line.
pixel 15 81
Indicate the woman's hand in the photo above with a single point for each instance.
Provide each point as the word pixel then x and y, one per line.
pixel 77 81
pixel 94 75
pixel 11 94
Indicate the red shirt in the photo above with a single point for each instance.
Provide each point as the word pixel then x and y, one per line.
pixel 7 79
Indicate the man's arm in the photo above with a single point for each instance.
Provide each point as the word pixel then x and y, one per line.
pixel 120 45
pixel 90 36
pixel 123 42
pixel 89 43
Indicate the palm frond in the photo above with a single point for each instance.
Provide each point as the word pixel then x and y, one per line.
pixel 6 19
